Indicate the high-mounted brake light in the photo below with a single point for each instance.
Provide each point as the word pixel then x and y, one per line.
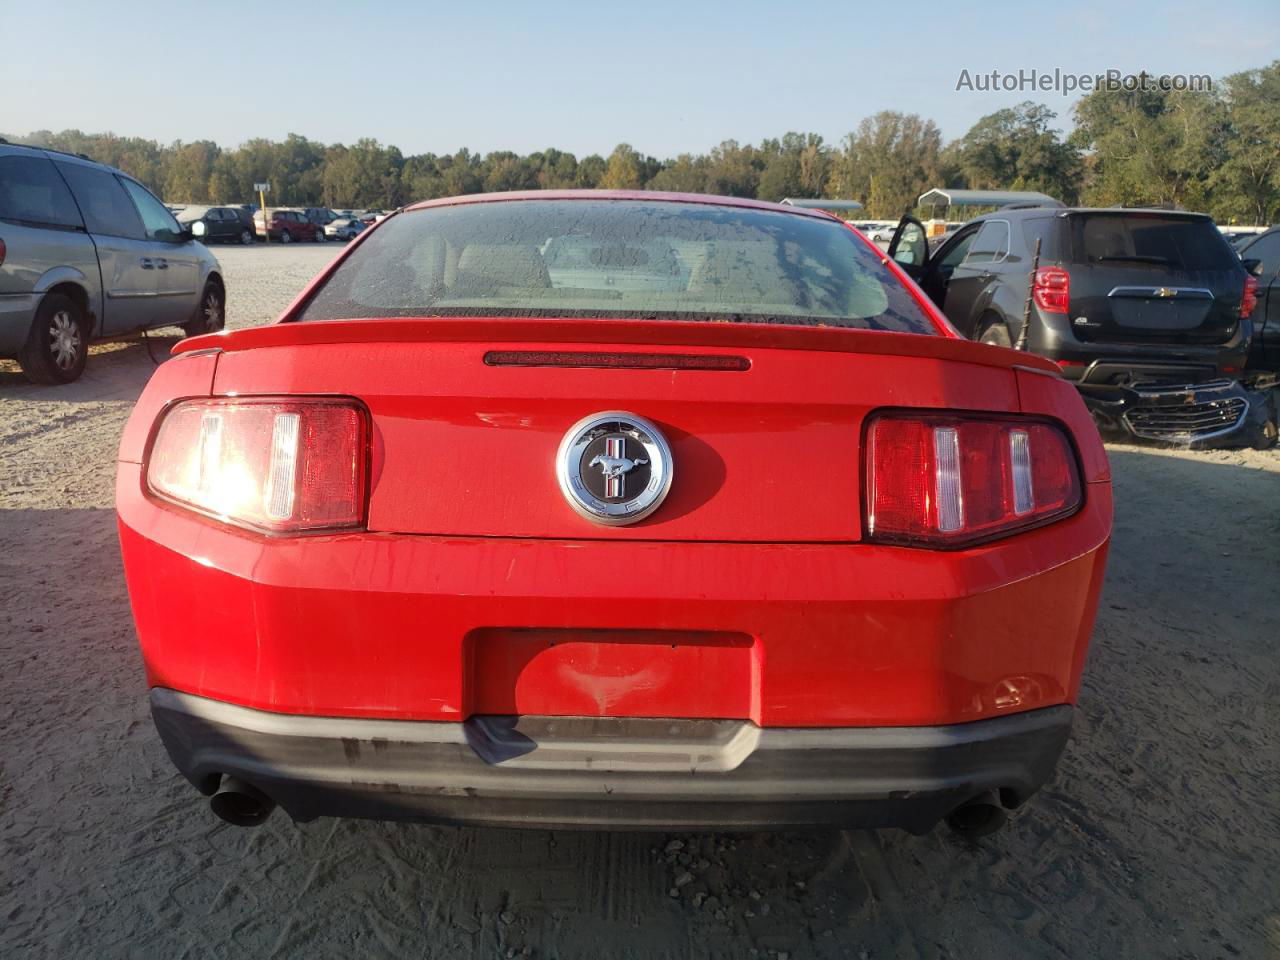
pixel 1052 290
pixel 1248 300
pixel 945 480
pixel 278 465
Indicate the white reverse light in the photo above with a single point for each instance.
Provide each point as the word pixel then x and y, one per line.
pixel 946 451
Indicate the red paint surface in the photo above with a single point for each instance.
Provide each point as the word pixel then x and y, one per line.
pixel 589 673
pixel 845 634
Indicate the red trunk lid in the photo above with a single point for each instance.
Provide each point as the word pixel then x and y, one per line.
pixel 464 447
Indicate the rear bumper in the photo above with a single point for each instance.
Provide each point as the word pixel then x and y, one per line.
pixel 16 314
pixel 1108 362
pixel 622 773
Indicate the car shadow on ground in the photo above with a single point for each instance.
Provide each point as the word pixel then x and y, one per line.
pixel 116 370
pixel 1157 838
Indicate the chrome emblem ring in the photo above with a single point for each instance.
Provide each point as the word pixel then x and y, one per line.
pixel 614 467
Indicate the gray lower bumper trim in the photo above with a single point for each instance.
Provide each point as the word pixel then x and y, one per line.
pixel 625 773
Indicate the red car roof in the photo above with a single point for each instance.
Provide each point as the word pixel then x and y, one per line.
pixel 652 195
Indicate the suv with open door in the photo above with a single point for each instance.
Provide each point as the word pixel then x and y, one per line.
pixel 1135 306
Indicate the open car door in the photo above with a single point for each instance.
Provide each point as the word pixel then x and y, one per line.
pixel 910 246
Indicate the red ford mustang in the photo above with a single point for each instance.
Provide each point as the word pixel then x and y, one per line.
pixel 613 509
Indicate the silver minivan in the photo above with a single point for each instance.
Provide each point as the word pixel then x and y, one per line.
pixel 87 253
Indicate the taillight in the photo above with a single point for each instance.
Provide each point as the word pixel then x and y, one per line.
pixel 941 480
pixel 1248 300
pixel 3 250
pixel 278 465
pixel 1052 289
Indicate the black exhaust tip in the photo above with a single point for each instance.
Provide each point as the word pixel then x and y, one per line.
pixel 240 803
pixel 979 817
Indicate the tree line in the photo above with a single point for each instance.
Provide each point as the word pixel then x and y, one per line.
pixel 1216 151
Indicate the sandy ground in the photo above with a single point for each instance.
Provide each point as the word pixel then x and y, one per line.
pixel 1159 838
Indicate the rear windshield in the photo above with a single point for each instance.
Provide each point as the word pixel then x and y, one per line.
pixel 625 259
pixel 1178 243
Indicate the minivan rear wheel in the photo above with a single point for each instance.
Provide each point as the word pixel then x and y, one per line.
pixel 58 346
pixel 286 237
pixel 246 237
pixel 211 315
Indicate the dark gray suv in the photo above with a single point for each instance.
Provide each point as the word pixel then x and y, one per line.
pixel 1147 311
pixel 87 252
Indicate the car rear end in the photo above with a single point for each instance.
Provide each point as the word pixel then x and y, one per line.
pixel 1126 296
pixel 362 585
pixel 266 224
pixel 1141 308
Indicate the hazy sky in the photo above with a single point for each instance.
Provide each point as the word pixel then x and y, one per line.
pixel 666 77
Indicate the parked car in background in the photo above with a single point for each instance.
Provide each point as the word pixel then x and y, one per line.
pixel 344 228
pixel 879 233
pixel 221 224
pixel 286 226
pixel 1122 299
pixel 370 217
pixel 1260 255
pixel 87 252
pixel 829 564
pixel 320 216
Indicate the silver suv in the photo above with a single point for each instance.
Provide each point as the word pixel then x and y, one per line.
pixel 87 253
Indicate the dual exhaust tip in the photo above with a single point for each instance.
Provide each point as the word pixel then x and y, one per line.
pixel 979 817
pixel 240 804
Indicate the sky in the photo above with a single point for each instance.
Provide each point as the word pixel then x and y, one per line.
pixel 666 77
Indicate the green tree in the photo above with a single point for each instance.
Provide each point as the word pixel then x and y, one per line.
pixel 1016 149
pixel 798 165
pixel 462 173
pixel 189 171
pixel 687 173
pixel 556 170
pixel 625 170
pixel 509 171
pixel 887 163
pixel 1151 146
pixel 733 170
pixel 1246 184
pixel 365 174
pixel 590 171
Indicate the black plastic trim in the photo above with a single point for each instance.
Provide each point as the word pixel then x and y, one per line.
pixel 611 772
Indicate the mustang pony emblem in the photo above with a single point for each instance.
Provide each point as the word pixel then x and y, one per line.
pixel 613 467
pixel 603 455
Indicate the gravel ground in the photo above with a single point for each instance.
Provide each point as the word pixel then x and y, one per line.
pixel 1159 838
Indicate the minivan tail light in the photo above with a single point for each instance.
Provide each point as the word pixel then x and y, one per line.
pixel 1052 289
pixel 276 465
pixel 949 481
pixel 3 251
pixel 1248 300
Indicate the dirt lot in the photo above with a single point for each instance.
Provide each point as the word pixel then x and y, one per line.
pixel 1159 838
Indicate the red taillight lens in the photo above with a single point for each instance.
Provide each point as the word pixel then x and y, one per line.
pixel 3 251
pixel 273 464
pixel 951 481
pixel 1052 290
pixel 1248 300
